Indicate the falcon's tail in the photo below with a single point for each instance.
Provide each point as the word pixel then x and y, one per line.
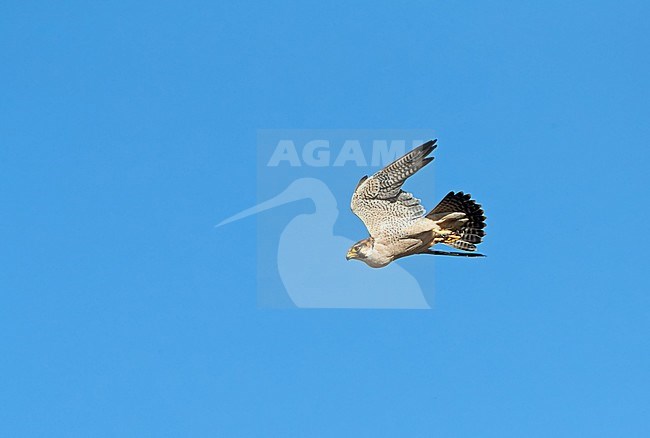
pixel 463 218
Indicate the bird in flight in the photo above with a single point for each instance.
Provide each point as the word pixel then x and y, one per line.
pixel 399 225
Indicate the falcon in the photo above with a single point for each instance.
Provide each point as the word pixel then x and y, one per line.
pixel 399 225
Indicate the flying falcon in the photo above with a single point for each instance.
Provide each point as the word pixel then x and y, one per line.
pixel 397 222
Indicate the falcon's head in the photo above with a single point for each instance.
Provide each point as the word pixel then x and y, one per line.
pixel 361 250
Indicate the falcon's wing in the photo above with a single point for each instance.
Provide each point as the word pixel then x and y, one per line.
pixel 380 202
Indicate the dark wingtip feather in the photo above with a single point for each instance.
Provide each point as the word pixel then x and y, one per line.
pixel 451 253
pixel 427 147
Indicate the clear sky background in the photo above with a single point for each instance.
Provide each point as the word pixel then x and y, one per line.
pixel 128 129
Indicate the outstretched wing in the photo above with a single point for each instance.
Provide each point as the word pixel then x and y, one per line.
pixel 380 202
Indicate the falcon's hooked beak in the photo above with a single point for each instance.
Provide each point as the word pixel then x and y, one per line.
pixel 352 254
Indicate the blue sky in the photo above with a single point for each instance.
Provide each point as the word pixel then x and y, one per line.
pixel 128 129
